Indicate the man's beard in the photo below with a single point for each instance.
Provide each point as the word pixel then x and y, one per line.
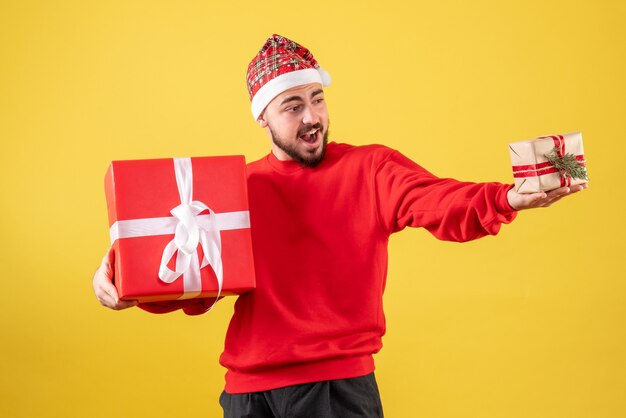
pixel 304 158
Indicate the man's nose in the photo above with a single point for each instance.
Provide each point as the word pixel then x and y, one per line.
pixel 310 116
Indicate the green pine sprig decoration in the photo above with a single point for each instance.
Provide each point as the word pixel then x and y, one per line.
pixel 568 164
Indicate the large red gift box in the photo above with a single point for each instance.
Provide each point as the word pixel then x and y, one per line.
pixel 180 228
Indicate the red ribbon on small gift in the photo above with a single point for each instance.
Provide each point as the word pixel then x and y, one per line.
pixel 536 170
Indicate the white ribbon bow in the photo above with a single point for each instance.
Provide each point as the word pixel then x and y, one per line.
pixel 191 231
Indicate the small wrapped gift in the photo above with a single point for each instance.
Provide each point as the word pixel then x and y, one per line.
pixel 548 163
pixel 180 228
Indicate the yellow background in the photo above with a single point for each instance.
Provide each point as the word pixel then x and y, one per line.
pixel 526 324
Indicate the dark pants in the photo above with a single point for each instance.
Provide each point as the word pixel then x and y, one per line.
pixel 344 398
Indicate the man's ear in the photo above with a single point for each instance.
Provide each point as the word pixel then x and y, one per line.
pixel 261 120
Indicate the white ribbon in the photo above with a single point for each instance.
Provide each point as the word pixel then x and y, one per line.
pixel 189 229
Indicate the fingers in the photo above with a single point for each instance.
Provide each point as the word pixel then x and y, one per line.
pixel 124 304
pixel 108 297
pixel 109 292
pixel 109 261
pixel 520 201
pixel 103 287
pixel 555 195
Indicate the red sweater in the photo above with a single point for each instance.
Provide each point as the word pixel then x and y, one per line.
pixel 320 240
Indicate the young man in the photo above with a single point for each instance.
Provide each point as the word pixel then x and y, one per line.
pixel 301 343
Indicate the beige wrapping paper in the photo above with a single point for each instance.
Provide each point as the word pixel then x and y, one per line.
pixel 532 171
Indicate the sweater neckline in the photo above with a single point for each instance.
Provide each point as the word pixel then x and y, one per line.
pixel 287 166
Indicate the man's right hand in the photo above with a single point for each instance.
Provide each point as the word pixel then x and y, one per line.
pixel 103 284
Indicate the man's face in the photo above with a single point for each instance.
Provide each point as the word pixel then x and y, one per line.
pixel 297 122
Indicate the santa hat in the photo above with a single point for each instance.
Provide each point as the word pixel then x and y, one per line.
pixel 280 65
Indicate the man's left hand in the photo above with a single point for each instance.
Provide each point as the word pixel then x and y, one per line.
pixel 519 201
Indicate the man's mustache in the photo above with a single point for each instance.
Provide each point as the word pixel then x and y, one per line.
pixel 308 128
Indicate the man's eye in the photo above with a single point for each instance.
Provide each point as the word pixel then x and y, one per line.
pixel 293 109
pixel 319 100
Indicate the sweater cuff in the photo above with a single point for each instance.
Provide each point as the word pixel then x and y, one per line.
pixel 199 306
pixel 160 307
pixel 502 201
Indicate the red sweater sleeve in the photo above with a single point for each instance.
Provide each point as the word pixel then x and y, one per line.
pixel 189 306
pixel 408 195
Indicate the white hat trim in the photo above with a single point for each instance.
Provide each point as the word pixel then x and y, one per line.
pixel 284 82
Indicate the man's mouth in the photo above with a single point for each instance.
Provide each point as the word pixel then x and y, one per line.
pixel 311 136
